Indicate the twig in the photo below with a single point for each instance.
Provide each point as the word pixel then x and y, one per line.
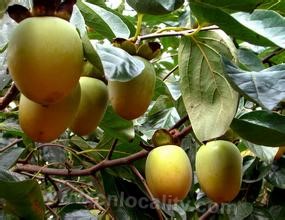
pixel 10 145
pixel 58 193
pixel 173 33
pixel 112 149
pixel 210 211
pixel 84 172
pixel 153 200
pixel 180 122
pixel 96 204
pixel 185 131
pixel 171 71
pixel 10 95
pixel 274 53
pixel 53 212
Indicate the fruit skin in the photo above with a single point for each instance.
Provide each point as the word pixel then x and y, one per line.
pixel 45 58
pixel 168 173
pixel 46 123
pixel 219 170
pixel 93 104
pixel 131 99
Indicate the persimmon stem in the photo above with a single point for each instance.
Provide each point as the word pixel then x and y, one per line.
pixel 174 33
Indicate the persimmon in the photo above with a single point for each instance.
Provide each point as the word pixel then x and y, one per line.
pixel 219 170
pixel 131 99
pixel 168 173
pixel 45 58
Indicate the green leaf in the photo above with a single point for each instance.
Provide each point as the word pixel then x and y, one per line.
pixel 7 176
pixel 78 21
pixel 275 5
pixel 254 171
pixel 126 199
pixel 236 5
pixel 265 153
pixel 9 157
pixel 155 7
pixel 208 97
pixel 23 198
pixel 160 89
pixel 266 87
pixel 118 64
pixel 91 55
pixel 237 211
pixel 249 60
pixel 277 212
pixel 164 118
pixel 76 211
pixel 276 175
pixel 266 23
pixel 211 14
pixel 103 22
pixel 124 18
pixel 116 126
pixel 260 213
pixel 261 127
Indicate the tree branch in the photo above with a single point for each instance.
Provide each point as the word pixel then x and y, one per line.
pixel 213 209
pixel 10 95
pixel 153 200
pixel 180 122
pixel 84 172
pixel 10 145
pixel 274 53
pixel 96 204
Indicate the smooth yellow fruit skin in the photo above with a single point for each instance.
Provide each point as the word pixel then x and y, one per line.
pixel 219 170
pixel 93 105
pixel 131 99
pixel 45 123
pixel 45 58
pixel 168 173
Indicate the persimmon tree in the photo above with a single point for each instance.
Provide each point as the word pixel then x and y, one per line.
pixel 219 75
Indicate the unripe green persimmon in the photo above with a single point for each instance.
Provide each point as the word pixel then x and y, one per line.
pixel 45 123
pixel 168 173
pixel 219 170
pixel 93 104
pixel 45 58
pixel 131 99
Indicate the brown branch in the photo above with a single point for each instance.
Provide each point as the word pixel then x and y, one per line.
pixel 212 210
pixel 10 145
pixel 185 131
pixel 84 172
pixel 180 122
pixel 58 193
pixel 10 95
pixel 110 153
pixel 83 194
pixel 151 197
